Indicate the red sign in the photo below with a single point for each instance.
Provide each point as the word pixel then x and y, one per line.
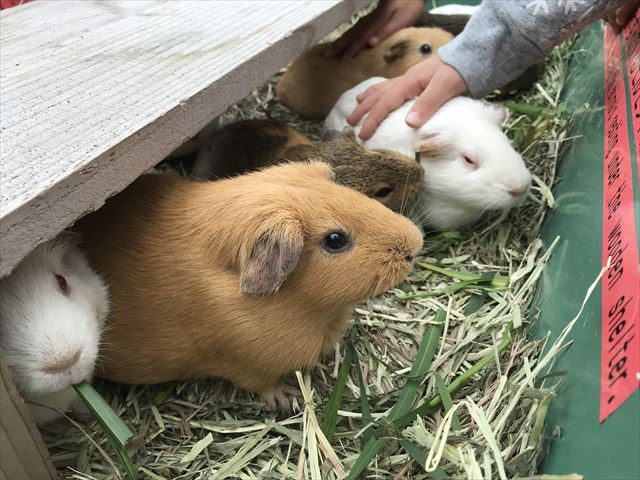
pixel 620 358
pixel 11 3
pixel 631 35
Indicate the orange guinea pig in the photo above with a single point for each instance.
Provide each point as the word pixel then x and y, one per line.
pixel 248 278
pixel 313 82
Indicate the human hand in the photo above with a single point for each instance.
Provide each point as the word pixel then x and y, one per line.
pixel 619 17
pixel 388 17
pixel 432 81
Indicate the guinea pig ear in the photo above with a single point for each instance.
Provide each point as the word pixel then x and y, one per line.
pixel 318 170
pixel 347 134
pixel 432 146
pixel 295 173
pixel 496 112
pixel 273 257
pixel 67 239
pixel 332 136
pixel 396 51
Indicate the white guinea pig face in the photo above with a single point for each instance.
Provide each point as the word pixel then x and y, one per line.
pixel 53 307
pixel 473 164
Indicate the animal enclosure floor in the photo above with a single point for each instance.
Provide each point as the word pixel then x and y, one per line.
pixel 210 429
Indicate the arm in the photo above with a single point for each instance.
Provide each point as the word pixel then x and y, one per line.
pixel 502 38
pixel 388 17
pixel 500 41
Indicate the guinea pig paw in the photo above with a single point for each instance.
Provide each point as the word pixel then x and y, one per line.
pixel 278 399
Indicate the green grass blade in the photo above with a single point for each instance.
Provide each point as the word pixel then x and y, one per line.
pixel 432 405
pixel 494 280
pixel 420 366
pixel 364 400
pixel 421 458
pixel 447 401
pixel 407 397
pixel 475 302
pixel 370 450
pixel 414 452
pixel 523 108
pixel 330 419
pixel 114 428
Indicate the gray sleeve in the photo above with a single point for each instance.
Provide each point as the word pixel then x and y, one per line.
pixel 503 37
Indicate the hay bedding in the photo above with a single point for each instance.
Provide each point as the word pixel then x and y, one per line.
pixel 210 429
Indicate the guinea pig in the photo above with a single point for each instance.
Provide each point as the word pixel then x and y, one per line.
pixel 243 147
pixel 388 177
pixel 313 82
pixel 470 166
pixel 247 278
pixel 53 308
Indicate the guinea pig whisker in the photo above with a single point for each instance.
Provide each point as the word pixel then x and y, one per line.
pixel 417 203
pixel 404 198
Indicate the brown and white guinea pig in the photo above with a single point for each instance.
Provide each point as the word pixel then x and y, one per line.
pixel 53 307
pixel 247 278
pixel 313 82
pixel 386 176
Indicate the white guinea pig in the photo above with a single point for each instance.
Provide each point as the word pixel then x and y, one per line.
pixel 470 165
pixel 52 311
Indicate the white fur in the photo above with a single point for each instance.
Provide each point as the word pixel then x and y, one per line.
pixel 40 324
pixel 454 9
pixel 454 193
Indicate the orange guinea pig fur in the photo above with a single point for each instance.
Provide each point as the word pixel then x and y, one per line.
pixel 247 279
pixel 313 83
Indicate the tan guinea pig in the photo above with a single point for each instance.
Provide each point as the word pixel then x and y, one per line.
pixel 391 178
pixel 313 83
pixel 247 278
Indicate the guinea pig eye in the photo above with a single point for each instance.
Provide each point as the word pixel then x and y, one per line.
pixel 62 283
pixel 469 161
pixel 384 192
pixel 336 241
pixel 425 49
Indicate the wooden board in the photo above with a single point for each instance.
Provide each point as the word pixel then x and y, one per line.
pixel 94 93
pixel 23 455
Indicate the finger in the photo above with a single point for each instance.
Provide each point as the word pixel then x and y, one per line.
pixel 370 91
pixel 385 32
pixel 383 104
pixel 442 87
pixel 361 110
pixel 363 38
pixel 610 20
pixel 339 46
pixel 355 47
pixel 624 13
pixel 375 117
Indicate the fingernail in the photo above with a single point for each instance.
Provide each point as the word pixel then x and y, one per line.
pixel 414 118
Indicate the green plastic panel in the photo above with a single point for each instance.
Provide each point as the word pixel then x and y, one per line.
pixel 598 451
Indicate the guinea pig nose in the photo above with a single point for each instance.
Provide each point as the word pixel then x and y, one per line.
pixel 409 258
pixel 63 362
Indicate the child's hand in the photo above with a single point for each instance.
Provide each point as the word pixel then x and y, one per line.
pixel 432 81
pixel 388 17
pixel 621 16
